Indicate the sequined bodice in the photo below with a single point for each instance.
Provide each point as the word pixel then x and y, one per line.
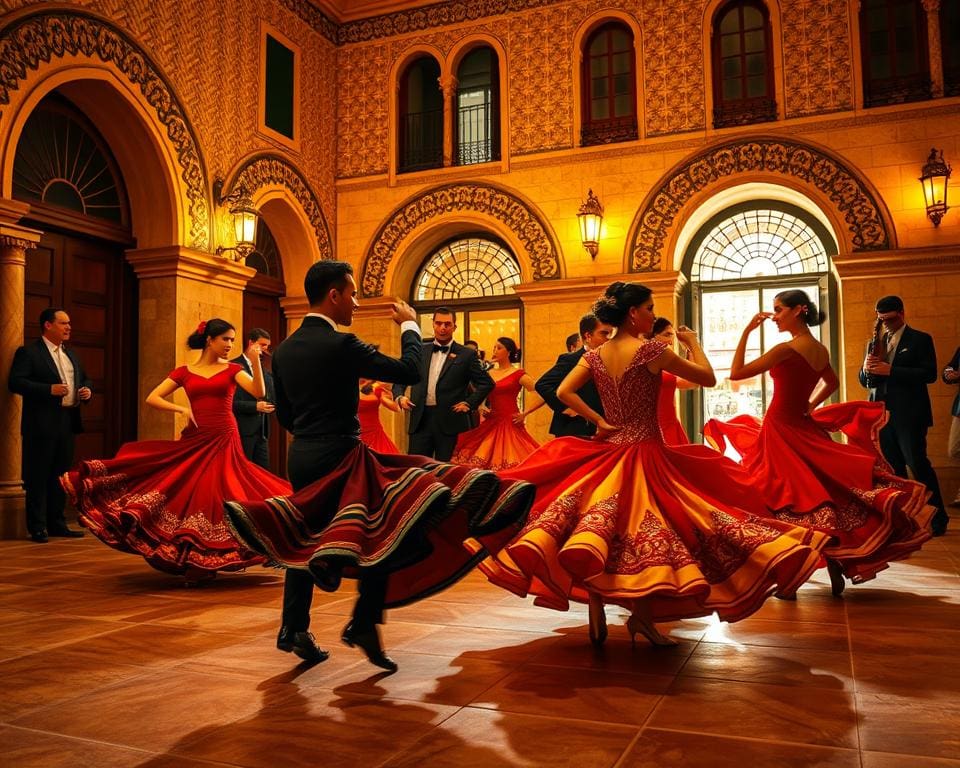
pixel 503 398
pixel 631 401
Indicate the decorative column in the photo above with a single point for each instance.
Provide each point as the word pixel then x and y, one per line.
pixel 932 7
pixel 178 288
pixel 448 84
pixel 15 241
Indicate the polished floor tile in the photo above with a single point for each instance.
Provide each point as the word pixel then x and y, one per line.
pixel 106 663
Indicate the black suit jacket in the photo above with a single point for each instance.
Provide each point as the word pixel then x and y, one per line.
pixel 461 370
pixel 904 391
pixel 32 374
pixel 250 422
pixel 317 372
pixel 562 425
pixel 953 364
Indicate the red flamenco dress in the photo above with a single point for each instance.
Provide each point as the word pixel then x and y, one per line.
pixel 498 443
pixel 163 499
pixel 371 429
pixel 673 432
pixel 424 523
pixel 806 478
pixel 627 517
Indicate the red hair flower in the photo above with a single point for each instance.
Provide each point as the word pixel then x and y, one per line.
pixel 202 327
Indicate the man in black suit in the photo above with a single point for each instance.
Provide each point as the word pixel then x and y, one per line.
pixel 252 415
pixel 52 382
pixel 452 384
pixel 316 373
pixel 898 376
pixel 565 422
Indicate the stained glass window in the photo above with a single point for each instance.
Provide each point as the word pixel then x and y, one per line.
pixel 467 269
pixel 759 243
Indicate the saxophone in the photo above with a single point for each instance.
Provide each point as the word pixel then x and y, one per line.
pixel 876 349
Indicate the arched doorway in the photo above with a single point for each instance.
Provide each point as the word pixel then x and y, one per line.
pixel 261 309
pixel 736 263
pixel 67 173
pixel 475 275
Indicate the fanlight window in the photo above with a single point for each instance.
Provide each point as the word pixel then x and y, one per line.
pixel 759 243
pixel 468 269
pixel 265 257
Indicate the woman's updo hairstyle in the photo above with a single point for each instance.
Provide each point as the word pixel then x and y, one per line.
pixel 208 329
pixel 511 346
pixel 660 325
pixel 797 298
pixel 613 306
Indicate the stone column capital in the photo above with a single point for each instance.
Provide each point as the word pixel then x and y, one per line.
pixel 931 6
pixel 189 263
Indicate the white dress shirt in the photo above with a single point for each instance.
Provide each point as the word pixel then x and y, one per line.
pixel 65 368
pixel 437 359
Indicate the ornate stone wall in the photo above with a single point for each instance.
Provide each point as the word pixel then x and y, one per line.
pixel 211 57
pixel 817 49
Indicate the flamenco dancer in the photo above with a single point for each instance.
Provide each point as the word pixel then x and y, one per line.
pixel 625 519
pixel 803 476
pixel 396 523
pixel 501 441
pixel 163 499
pixel 373 395
pixel 673 431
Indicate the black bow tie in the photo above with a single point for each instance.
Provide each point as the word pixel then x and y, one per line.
pixel 441 348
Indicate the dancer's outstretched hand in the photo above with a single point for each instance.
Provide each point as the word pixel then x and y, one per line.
pixel 402 312
pixel 605 429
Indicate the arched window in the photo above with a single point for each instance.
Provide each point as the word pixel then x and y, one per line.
pixel 893 43
pixel 609 85
pixel 478 107
pixel 950 46
pixel 420 122
pixel 738 262
pixel 62 162
pixel 475 276
pixel 743 90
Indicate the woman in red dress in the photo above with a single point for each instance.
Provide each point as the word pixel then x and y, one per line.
pixel 372 395
pixel 806 478
pixel 163 499
pixel 501 441
pixel 625 519
pixel 673 431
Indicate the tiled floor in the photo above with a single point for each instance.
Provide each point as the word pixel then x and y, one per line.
pixel 106 663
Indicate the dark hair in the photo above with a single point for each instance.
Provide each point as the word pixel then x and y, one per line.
pixel 254 334
pixel 49 315
pixel 511 346
pixel 469 342
pixel 588 324
pixel 660 325
pixel 890 304
pixel 572 340
pixel 445 311
pixel 797 298
pixel 324 276
pixel 208 329
pixel 613 306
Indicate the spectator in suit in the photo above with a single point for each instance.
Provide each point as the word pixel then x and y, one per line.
pixel 951 375
pixel 574 342
pixel 452 384
pixel 52 383
pixel 898 375
pixel 566 422
pixel 253 416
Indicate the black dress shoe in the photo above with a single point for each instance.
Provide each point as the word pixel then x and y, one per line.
pixel 65 533
pixel 369 643
pixel 301 644
pixel 39 536
pixel 325 575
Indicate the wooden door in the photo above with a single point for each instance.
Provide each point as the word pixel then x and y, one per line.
pixel 93 283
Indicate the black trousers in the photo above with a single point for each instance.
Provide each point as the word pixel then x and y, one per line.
pixel 257 449
pixel 428 440
pixel 904 444
pixel 307 461
pixel 45 457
